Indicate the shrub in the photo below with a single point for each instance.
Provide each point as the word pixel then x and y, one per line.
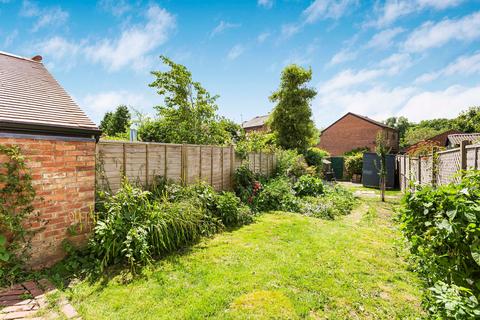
pixel 314 157
pixel 308 185
pixel 245 184
pixel 442 226
pixel 133 228
pixel 292 165
pixel 232 212
pixel 354 164
pixel 336 201
pixel 277 195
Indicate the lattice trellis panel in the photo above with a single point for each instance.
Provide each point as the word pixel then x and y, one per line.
pixel 426 169
pixel 448 166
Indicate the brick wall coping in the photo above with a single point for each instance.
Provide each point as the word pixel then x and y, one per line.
pixel 43 137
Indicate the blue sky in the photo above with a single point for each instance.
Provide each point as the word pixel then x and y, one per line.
pixel 417 58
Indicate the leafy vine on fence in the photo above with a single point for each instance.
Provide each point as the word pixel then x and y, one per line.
pixel 16 198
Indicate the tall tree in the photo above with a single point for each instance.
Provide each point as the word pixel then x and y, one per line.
pixel 188 114
pixel 401 124
pixel 469 120
pixel 291 118
pixel 116 122
pixel 382 149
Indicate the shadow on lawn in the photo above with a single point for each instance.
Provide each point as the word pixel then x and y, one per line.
pixel 81 265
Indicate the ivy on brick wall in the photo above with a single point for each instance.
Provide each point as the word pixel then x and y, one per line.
pixel 16 198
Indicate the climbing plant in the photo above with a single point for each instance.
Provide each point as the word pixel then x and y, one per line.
pixel 16 197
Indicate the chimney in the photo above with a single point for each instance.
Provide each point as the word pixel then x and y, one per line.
pixel 37 58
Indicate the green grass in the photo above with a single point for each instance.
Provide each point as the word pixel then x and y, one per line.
pixel 284 266
pixel 358 187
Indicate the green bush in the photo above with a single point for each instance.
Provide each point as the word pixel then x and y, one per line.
pixel 245 184
pixel 443 228
pixel 308 185
pixel 291 164
pixel 336 201
pixel 354 164
pixel 133 228
pixel 277 194
pixel 314 157
pixel 232 212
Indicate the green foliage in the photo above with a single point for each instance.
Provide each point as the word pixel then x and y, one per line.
pixel 291 164
pixel 16 197
pixel 356 151
pixel 401 124
pixel 232 212
pixel 291 119
pixel 246 184
pixel 314 157
pixel 116 123
pixel 189 111
pixel 443 227
pixel 308 185
pixel 469 120
pixel 256 142
pixel 354 164
pixel 277 195
pixel 134 228
pixel 417 134
pixel 336 201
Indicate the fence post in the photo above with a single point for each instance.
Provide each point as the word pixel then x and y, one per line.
pixel 124 169
pixel 434 167
pixel 182 166
pixel 221 161
pixel 146 164
pixel 232 164
pixel 200 164
pixel 475 166
pixel 165 167
pixel 211 166
pixel 419 168
pixel 463 154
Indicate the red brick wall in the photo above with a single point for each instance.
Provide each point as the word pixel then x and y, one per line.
pixel 63 175
pixel 352 132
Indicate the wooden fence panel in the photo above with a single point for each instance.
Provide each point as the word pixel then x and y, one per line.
pixel 141 162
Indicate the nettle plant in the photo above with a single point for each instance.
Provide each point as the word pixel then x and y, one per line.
pixel 16 197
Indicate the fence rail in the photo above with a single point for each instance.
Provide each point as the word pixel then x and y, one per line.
pixel 438 168
pixel 141 162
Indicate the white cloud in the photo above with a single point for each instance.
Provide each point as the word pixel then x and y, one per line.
pixel 262 37
pixel 327 9
pixel 394 9
pixel 223 26
pixel 134 44
pixel 58 52
pixel 384 39
pixel 235 52
pixel 290 29
pixel 302 56
pixel 97 104
pixel 433 35
pixel 464 65
pixel 10 38
pixel 115 7
pixel 48 16
pixel 446 103
pixel 348 78
pixel 265 3
pixel 342 56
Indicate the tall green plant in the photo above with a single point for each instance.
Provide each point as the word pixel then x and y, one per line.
pixel 291 119
pixel 382 149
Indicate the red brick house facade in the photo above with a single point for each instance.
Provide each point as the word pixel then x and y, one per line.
pixel 353 131
pixel 259 124
pixel 58 141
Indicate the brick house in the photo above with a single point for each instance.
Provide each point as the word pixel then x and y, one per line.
pixel 58 141
pixel 256 124
pixel 354 131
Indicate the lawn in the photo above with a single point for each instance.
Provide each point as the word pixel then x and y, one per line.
pixel 283 266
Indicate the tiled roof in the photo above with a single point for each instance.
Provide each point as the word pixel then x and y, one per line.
pixel 255 122
pixel 380 124
pixel 456 139
pixel 30 95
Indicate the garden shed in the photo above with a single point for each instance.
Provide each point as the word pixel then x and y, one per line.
pixel 58 141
